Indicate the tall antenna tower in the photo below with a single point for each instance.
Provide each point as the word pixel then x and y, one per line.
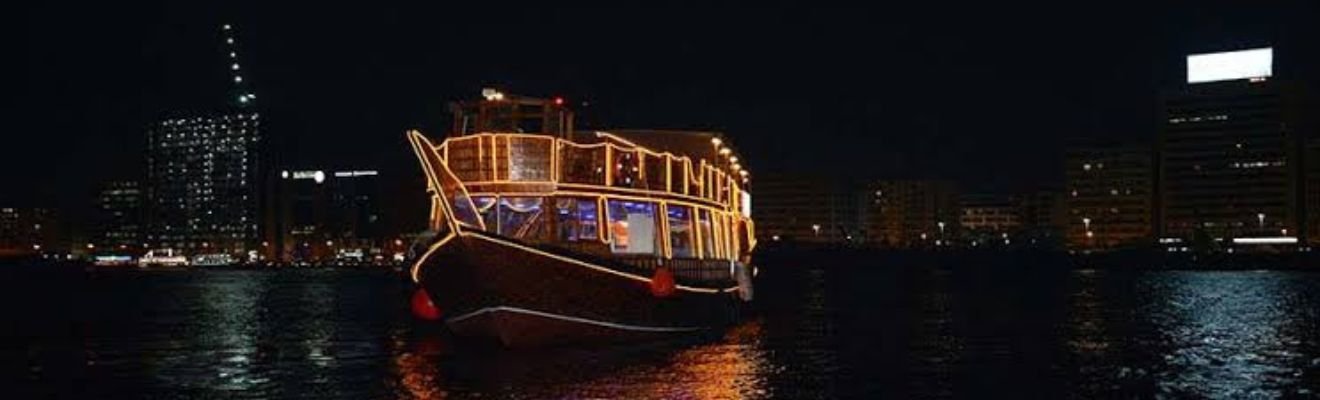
pixel 241 93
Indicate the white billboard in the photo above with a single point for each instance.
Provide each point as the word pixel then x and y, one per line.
pixel 1242 64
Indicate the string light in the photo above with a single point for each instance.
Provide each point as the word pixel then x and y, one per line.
pixel 711 189
pixel 244 97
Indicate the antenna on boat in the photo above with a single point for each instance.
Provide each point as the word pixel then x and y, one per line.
pixel 241 94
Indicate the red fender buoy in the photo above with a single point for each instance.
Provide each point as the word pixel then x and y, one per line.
pixel 423 308
pixel 662 283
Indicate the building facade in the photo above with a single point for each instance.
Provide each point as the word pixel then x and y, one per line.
pixel 119 221
pixel 204 179
pixel 807 209
pixel 29 231
pixel 328 216
pixel 913 214
pixel 1229 162
pixel 988 220
pixel 1109 195
pixel 1043 215
pixel 1313 192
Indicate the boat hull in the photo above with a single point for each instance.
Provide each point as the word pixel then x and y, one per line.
pixel 526 296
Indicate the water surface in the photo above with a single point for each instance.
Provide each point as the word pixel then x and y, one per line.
pixel 852 332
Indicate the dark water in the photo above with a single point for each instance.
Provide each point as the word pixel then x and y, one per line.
pixel 840 332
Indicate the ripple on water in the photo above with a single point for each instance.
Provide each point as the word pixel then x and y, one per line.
pixel 852 332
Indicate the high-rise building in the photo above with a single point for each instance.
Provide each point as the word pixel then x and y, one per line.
pixel 1109 195
pixel 1229 160
pixel 1043 215
pixel 11 234
pixel 913 214
pixel 119 221
pixel 328 216
pixel 807 209
pixel 29 230
pixel 205 173
pixel 1313 192
pixel 988 219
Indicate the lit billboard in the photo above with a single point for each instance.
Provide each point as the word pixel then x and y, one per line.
pixel 1231 65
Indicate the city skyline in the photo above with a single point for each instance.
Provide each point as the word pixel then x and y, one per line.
pixel 974 98
pixel 693 200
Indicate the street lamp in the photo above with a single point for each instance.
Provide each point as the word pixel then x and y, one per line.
pixel 815 228
pixel 941 241
pixel 1261 218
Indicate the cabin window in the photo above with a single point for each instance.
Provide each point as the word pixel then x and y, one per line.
pixel 632 226
pixel 707 234
pixel 516 214
pixel 575 219
pixel 486 207
pixel 680 231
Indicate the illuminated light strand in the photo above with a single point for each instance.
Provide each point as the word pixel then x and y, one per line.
pixel 601 205
pixel 420 142
pixel 433 185
pixel 573 319
pixel 245 97
pixel 609 165
pixel 726 244
pixel 417 266
pixel 1265 240
pixel 602 220
pixel 580 262
pixel 709 172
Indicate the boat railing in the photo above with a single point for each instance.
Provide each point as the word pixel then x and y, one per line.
pixel 450 201
pixel 508 158
pixel 469 175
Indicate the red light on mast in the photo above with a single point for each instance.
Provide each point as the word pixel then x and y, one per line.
pixel 559 101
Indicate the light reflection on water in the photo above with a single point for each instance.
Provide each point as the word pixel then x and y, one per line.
pixel 1233 334
pixel 896 332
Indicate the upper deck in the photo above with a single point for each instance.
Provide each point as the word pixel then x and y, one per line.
pixel 600 163
pixel 642 197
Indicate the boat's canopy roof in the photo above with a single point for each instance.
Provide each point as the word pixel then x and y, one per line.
pixel 696 145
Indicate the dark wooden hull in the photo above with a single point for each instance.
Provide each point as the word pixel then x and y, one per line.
pixel 525 296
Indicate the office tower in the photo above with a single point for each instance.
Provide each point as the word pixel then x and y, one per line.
pixel 119 219
pixel 807 209
pixel 988 219
pixel 205 172
pixel 1108 197
pixel 913 214
pixel 328 216
pixel 1229 161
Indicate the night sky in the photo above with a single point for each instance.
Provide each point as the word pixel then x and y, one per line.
pixel 984 94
